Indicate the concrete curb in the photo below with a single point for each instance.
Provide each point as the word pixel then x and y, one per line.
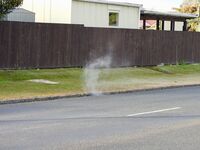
pixel 84 95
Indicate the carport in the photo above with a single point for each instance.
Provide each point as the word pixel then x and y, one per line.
pixel 161 17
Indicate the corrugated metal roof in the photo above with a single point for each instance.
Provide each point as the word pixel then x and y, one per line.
pixel 22 10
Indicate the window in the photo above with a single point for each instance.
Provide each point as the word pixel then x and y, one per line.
pixel 113 19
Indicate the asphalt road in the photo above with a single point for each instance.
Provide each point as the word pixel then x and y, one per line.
pixel 153 120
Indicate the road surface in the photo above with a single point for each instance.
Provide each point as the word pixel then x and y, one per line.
pixel 153 120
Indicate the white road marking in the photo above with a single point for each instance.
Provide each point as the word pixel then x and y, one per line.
pixel 152 112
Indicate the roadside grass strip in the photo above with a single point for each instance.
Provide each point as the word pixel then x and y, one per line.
pixel 23 84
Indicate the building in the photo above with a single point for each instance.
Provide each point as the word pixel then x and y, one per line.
pixel 91 13
pixel 168 21
pixel 20 14
pixel 100 13
pixel 95 13
pixel 150 24
pixel 49 11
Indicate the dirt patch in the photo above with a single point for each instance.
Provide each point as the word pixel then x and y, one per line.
pixel 43 81
pixel 161 70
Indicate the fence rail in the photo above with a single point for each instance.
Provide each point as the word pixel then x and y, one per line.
pixel 37 45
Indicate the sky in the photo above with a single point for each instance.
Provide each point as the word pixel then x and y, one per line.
pixel 156 4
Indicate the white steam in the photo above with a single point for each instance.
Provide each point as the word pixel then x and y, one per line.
pixel 92 74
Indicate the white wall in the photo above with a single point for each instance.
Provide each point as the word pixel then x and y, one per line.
pixel 50 11
pixel 97 14
pixel 178 26
pixel 167 25
pixel 87 13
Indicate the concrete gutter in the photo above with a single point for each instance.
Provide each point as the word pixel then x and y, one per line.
pixel 84 95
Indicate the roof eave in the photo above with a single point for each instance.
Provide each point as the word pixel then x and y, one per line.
pixel 169 14
pixel 112 3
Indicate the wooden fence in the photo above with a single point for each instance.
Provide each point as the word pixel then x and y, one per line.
pixel 37 45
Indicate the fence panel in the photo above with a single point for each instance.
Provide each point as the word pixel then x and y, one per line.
pixel 42 45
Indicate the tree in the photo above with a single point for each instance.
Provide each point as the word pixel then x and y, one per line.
pixel 191 7
pixel 189 2
pixel 6 6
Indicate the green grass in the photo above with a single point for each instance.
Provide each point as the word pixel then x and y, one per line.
pixel 181 69
pixel 14 84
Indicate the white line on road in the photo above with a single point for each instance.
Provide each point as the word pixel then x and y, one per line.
pixel 152 112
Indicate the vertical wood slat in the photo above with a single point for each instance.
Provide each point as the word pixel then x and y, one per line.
pixel 39 45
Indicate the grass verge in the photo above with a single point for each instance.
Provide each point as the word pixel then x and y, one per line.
pixel 14 84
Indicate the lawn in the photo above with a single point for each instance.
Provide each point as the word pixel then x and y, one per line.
pixel 15 84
